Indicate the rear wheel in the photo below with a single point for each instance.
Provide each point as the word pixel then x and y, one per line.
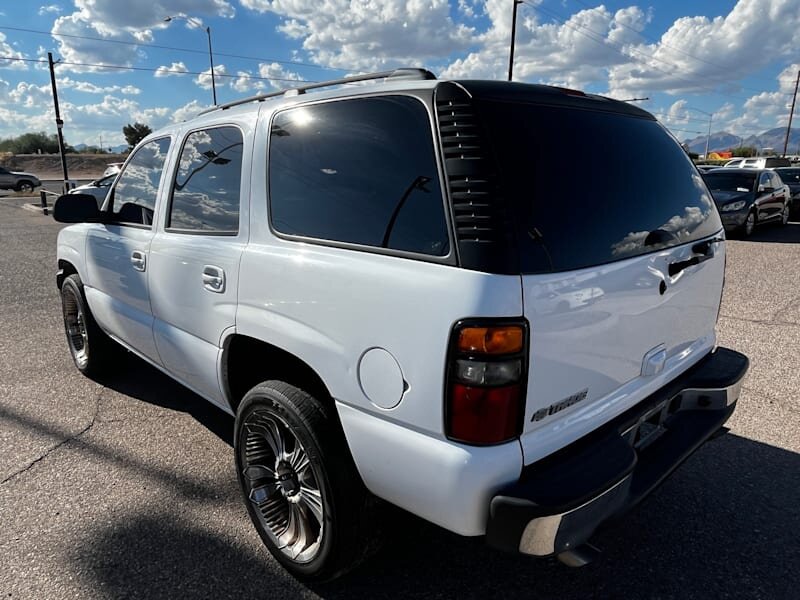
pixel 301 488
pixel 785 214
pixel 26 187
pixel 90 347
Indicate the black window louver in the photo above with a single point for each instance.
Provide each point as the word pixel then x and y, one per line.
pixel 482 230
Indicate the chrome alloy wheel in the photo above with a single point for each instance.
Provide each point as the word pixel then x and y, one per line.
pixel 281 484
pixel 75 325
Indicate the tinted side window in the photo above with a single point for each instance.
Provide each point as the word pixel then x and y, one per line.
pixel 206 192
pixel 638 194
pixel 137 188
pixel 361 171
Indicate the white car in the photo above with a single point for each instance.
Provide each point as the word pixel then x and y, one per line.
pixel 97 188
pixel 361 275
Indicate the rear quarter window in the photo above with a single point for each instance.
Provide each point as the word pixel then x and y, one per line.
pixel 590 187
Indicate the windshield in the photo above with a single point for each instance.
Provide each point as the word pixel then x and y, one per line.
pixel 636 190
pixel 730 182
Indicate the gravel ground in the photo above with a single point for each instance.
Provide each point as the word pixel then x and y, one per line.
pixel 124 488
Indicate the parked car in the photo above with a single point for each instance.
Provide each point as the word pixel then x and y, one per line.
pixel 112 168
pixel 97 188
pixel 18 180
pixel 791 177
pixel 706 168
pixel 736 162
pixel 760 162
pixel 748 197
pixel 360 276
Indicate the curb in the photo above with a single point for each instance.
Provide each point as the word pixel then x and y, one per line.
pixel 36 208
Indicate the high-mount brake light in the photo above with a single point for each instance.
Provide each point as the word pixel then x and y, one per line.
pixel 486 381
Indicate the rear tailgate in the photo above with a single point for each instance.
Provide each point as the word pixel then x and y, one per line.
pixel 604 339
pixel 596 233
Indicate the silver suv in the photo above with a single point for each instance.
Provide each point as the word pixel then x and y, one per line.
pixel 406 295
pixel 18 180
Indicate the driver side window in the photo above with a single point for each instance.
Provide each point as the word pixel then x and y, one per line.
pixel 136 191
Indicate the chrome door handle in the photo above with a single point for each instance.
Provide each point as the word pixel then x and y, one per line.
pixel 139 260
pixel 213 279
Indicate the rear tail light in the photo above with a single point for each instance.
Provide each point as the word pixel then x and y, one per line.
pixel 486 380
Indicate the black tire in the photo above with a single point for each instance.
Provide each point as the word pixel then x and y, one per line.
pixel 91 349
pixel 785 215
pixel 24 186
pixel 343 530
pixel 746 230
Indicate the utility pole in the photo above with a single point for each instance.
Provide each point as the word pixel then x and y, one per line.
pixel 513 39
pixel 59 122
pixel 791 114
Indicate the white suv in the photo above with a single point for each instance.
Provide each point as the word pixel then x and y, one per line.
pixel 403 292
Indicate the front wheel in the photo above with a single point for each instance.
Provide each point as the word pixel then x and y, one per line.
pixel 301 488
pixel 91 349
pixel 749 225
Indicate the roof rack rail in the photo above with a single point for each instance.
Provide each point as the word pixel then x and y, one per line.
pixel 404 73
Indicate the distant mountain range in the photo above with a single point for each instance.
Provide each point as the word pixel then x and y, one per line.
pixel 115 149
pixel 722 140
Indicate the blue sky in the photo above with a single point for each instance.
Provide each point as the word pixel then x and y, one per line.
pixel 736 59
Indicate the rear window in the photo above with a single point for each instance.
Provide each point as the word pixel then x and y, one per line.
pixel 730 182
pixel 590 187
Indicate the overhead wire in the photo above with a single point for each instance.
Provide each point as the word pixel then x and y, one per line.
pixel 618 48
pixel 163 47
pixel 159 69
pixel 674 48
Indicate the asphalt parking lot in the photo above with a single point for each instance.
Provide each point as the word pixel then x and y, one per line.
pixel 124 488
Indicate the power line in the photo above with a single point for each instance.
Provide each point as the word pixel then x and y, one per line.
pixel 162 47
pixel 617 48
pixel 159 69
pixel 655 41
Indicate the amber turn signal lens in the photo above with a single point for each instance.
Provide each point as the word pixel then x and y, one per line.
pixel 504 339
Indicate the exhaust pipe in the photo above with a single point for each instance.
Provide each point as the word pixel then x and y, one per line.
pixel 579 556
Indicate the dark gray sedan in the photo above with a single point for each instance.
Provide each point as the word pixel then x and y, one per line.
pixel 791 177
pixel 748 197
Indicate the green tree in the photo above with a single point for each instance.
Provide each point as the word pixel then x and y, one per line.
pixel 135 133
pixel 31 143
pixel 744 151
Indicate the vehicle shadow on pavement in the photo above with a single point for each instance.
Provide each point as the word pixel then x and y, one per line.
pixel 788 234
pixel 724 525
pixel 135 378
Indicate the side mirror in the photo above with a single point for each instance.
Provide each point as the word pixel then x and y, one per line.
pixel 76 208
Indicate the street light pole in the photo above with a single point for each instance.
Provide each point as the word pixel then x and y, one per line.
pixel 211 61
pixel 513 39
pixel 199 23
pixel 791 114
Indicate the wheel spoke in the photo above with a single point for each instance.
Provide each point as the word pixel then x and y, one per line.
pixel 299 460
pixel 258 472
pixel 312 499
pixel 274 438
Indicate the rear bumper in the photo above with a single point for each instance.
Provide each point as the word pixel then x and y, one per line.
pixel 559 501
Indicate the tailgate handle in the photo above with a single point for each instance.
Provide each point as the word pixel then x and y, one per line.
pixel 703 251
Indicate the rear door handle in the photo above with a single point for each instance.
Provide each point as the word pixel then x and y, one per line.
pixel 139 260
pixel 213 279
